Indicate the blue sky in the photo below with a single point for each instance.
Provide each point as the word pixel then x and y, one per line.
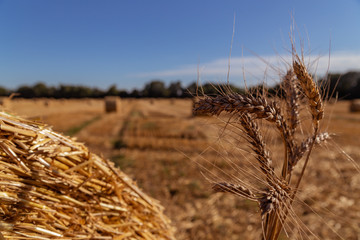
pixel 128 43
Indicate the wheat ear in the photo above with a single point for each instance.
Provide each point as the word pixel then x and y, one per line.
pixel 292 99
pixel 310 90
pixel 258 107
pixel 305 146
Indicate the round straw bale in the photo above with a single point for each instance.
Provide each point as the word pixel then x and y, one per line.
pixel 52 187
pixel 111 104
pixel 355 105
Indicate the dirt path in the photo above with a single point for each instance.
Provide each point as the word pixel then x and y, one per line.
pixel 100 135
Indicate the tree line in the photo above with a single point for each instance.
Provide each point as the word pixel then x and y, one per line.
pixel 345 86
pixel 153 89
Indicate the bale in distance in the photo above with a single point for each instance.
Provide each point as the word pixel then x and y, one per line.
pixel 52 187
pixel 111 103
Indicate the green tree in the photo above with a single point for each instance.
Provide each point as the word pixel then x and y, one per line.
pixel 155 89
pixel 135 94
pixel 112 91
pixel 175 89
pixel 25 91
pixel 123 94
pixel 41 90
pixel 190 90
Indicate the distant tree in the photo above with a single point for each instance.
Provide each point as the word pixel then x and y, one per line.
pixel 97 93
pixel 68 91
pixel 112 91
pixel 25 91
pixel 276 91
pixel 124 94
pixel 175 90
pixel 263 89
pixel 135 94
pixel 155 89
pixel 51 92
pixel 62 91
pixel 82 92
pixel 190 90
pixel 233 88
pixel 41 90
pixel 210 89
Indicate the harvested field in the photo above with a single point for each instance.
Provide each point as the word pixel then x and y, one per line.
pixel 160 145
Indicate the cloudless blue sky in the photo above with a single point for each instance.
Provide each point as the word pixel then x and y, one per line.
pixel 129 42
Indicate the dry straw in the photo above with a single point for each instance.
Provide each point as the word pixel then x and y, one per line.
pixel 276 195
pixel 54 188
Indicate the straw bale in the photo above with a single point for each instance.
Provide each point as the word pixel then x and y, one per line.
pixel 355 105
pixel 111 104
pixel 52 187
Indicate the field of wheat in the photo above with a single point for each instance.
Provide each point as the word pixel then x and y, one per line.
pixel 175 157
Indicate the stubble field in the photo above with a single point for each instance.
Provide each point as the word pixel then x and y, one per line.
pixel 172 154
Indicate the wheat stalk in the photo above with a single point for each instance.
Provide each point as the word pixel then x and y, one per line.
pixel 276 197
